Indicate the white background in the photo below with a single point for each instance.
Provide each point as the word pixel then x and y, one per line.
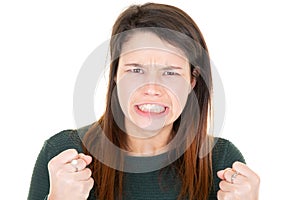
pixel 254 45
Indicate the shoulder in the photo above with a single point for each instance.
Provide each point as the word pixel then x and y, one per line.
pixel 63 140
pixel 225 153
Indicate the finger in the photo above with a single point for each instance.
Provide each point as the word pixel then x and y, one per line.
pixel 247 172
pixel 222 195
pixel 88 185
pixel 221 173
pixel 228 175
pixel 234 177
pixel 86 158
pixel 66 156
pixel 83 175
pixel 227 187
pixel 243 169
pixel 81 189
pixel 79 165
pixel 62 158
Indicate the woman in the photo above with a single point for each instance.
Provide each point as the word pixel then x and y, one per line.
pixel 152 141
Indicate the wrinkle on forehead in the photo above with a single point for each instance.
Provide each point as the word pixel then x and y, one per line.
pixel 148 40
pixel 154 57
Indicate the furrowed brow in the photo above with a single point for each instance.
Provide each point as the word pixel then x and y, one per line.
pixel 133 65
pixel 172 67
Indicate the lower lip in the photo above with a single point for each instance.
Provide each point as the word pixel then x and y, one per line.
pixel 152 114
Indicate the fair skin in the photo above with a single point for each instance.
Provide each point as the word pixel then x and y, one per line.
pixel 65 181
pixel 153 84
pixel 245 186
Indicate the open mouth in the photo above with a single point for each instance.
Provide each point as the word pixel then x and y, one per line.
pixel 152 109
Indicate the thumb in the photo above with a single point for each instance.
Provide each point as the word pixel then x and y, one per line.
pixel 66 156
pixel 62 158
pixel 86 158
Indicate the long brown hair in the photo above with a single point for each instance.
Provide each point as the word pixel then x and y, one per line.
pixel 195 171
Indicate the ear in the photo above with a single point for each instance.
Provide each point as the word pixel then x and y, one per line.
pixel 193 83
pixel 195 74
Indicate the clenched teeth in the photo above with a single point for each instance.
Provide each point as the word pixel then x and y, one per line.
pixel 154 108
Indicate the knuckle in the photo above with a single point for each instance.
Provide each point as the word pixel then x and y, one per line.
pixel 257 179
pixel 219 195
pixel 86 195
pixel 89 172
pixel 236 164
pixel 81 155
pixel 85 188
pixel 223 196
pixel 71 151
pixel 221 184
pixel 51 164
pixel 91 183
pixel 81 163
pixel 227 173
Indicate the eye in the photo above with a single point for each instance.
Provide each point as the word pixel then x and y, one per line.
pixel 170 73
pixel 136 70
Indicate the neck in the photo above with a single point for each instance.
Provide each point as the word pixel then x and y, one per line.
pixel 144 142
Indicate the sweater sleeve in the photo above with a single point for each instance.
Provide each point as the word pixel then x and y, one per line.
pixel 225 153
pixel 233 154
pixel 39 186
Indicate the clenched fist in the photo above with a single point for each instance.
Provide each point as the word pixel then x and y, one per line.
pixel 70 180
pixel 238 182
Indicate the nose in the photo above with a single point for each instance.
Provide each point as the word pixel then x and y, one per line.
pixel 152 90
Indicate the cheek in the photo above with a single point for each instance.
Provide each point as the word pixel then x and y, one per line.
pixel 178 91
pixel 126 87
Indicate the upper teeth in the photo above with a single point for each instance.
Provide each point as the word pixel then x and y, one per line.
pixel 151 108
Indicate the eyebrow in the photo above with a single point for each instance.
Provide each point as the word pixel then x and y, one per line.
pixel 164 68
pixel 133 64
pixel 171 67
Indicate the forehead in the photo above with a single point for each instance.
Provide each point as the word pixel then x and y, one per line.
pixel 149 43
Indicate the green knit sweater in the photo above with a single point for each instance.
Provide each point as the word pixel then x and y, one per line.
pixel 137 186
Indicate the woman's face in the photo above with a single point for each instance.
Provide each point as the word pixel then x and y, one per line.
pixel 153 83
